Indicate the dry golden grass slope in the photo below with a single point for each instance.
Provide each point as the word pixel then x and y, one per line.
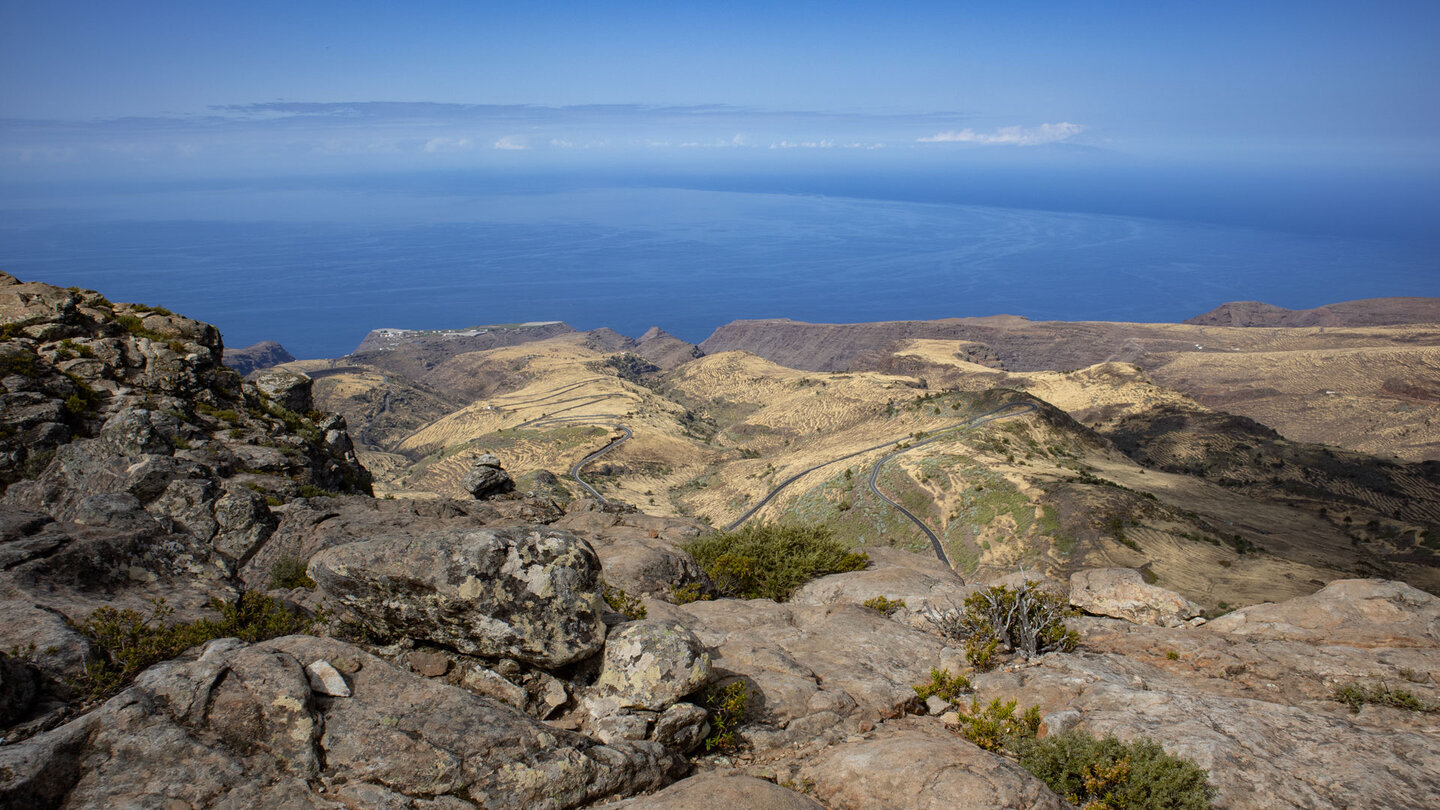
pixel 712 437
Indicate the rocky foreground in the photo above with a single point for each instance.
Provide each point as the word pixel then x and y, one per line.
pixel 463 653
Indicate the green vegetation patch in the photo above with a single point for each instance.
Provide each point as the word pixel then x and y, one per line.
pixel 287 573
pixel 1101 774
pixel 728 706
pixel 130 642
pixel 770 561
pixel 1358 695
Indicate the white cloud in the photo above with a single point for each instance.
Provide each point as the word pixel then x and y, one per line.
pixel 448 144
pixel 511 142
pixel 1012 136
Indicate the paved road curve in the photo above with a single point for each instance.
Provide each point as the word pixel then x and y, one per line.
pixel 988 416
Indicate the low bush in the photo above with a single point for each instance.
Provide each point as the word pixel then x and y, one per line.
pixel 727 706
pixel 943 685
pixel 771 561
pixel 996 727
pixel 884 604
pixel 1106 774
pixel 287 573
pixel 130 642
pixel 998 619
pixel 1356 695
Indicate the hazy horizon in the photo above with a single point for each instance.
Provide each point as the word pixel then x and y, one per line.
pixel 1299 138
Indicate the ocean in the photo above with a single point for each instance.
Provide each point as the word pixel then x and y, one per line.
pixel 316 265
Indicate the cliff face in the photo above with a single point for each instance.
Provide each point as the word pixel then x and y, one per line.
pixel 265 354
pixel 1365 312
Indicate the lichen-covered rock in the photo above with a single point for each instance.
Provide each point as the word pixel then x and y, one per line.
pixel 651 664
pixel 289 389
pixel 242 726
pixel 532 593
pixel 1122 593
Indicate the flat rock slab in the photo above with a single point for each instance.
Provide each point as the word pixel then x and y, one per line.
pixel 922 767
pixel 1354 612
pixel 528 593
pixel 716 791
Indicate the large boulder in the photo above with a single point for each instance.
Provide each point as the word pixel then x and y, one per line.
pixel 1122 593
pixel 528 593
pixel 290 389
pixel 246 725
pixel 486 478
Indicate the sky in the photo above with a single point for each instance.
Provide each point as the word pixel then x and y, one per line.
pixel 160 89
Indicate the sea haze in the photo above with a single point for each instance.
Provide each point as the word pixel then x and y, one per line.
pixel 316 266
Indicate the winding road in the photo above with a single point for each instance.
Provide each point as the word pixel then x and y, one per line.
pixel 609 420
pixel 973 422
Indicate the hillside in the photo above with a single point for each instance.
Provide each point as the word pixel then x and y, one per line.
pixel 205 607
pixel 1367 312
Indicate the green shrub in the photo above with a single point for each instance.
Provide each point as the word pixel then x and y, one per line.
pixel 622 602
pixel 943 685
pixel 1101 774
pixel 727 706
pixel 771 561
pixel 884 605
pixel 1356 695
pixel 690 592
pixel 131 642
pixel 289 572
pixel 996 727
pixel 312 491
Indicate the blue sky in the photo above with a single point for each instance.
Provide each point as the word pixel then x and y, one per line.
pixel 206 88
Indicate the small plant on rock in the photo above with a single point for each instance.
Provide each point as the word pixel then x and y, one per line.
pixel 622 602
pixel 288 572
pixel 727 706
pixel 1357 695
pixel 943 685
pixel 995 726
pixel 690 592
pixel 884 605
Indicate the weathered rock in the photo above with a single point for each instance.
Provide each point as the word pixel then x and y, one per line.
pixel 45 637
pixel 681 727
pixel 651 664
pixel 486 479
pixel 427 664
pixel 812 671
pixel 641 554
pixel 325 679
pixel 1356 612
pixel 921 767
pixel 241 725
pixel 18 688
pixel 720 791
pixel 527 593
pixel 1122 593
pixel 921 581
pixel 289 389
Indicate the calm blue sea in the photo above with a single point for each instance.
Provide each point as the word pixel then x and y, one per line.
pixel 317 266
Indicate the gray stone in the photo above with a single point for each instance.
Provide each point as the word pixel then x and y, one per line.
pixel 532 594
pixel 720 791
pixel 681 727
pixel 651 663
pixel 290 389
pixel 486 480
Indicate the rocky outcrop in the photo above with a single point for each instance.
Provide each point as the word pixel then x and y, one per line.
pixel 652 664
pixel 289 389
pixel 719 791
pixel 1365 312
pixel 531 594
pixel 265 354
pixel 486 478
pixel 641 553
pixel 242 724
pixel 1354 612
pixel 1122 593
